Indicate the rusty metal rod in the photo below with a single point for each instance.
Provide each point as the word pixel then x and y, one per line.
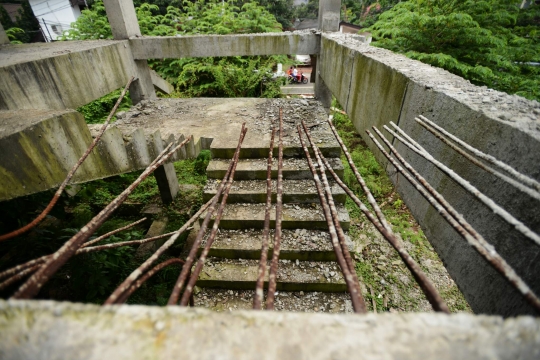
pixel 356 301
pixel 521 177
pixel 457 221
pixel 202 258
pixel 359 178
pixel 272 275
pixel 357 292
pixel 18 277
pixel 60 190
pixel 427 286
pixel 505 215
pixel 31 287
pixel 104 236
pixel 186 269
pixel 259 293
pixel 137 284
pixel 518 185
pixel 135 274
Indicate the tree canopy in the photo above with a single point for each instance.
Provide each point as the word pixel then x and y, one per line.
pixel 490 42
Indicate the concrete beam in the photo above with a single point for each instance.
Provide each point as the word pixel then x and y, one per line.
pixel 225 45
pixel 329 15
pixel 63 74
pixel 122 18
pixel 77 331
pixel 160 83
pixel 376 86
pixel 3 36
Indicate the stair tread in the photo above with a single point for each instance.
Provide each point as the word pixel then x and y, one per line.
pixel 228 300
pixel 291 275
pixel 299 244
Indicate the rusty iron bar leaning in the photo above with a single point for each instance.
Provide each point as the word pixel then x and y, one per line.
pixel 521 177
pixel 62 187
pixel 505 215
pixel 137 284
pixel 457 221
pixel 433 296
pixel 259 293
pixel 356 301
pixel 186 269
pixel 357 292
pixel 210 240
pixel 518 185
pixel 104 236
pixel 359 178
pixel 18 277
pixel 135 274
pixel 31 287
pixel 272 275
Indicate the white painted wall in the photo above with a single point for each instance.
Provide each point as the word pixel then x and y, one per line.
pixel 55 16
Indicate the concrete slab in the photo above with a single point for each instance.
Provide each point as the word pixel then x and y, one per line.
pixel 255 169
pixel 241 216
pixel 37 329
pixel 298 244
pixel 242 274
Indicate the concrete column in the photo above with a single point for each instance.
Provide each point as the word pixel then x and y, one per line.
pixel 167 182
pixel 3 36
pixel 329 16
pixel 124 25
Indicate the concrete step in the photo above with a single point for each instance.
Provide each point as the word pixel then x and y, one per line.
pixel 260 150
pixel 292 275
pixel 255 169
pixel 299 244
pixel 254 191
pixel 295 216
pixel 230 300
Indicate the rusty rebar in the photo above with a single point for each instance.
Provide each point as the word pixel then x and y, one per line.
pixel 457 221
pixel 359 178
pixel 104 236
pixel 135 274
pixel 518 185
pixel 357 302
pixel 137 284
pixel 175 294
pixel 60 190
pixel 259 293
pixel 429 289
pixel 210 240
pixel 505 215
pixel 18 276
pixel 521 177
pixel 31 287
pixel 272 275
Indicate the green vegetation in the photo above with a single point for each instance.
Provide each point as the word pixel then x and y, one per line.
pixel 378 265
pixel 24 28
pixel 92 277
pixel 97 111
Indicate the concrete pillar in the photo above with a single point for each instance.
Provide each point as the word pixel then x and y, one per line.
pixel 329 16
pixel 124 25
pixel 167 182
pixel 3 36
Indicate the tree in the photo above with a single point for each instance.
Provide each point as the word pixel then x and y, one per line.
pixel 479 40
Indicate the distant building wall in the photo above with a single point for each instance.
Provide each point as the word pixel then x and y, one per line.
pixel 55 16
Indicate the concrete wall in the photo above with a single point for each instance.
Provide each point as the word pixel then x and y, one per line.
pixel 225 45
pixel 46 329
pixel 62 75
pixel 376 86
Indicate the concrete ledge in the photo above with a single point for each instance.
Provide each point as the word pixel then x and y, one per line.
pixel 60 75
pixel 376 86
pixel 45 329
pixel 225 45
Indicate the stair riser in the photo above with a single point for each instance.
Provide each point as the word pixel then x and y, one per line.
pixel 257 153
pixel 283 254
pixel 281 286
pixel 261 174
pixel 285 224
pixel 287 198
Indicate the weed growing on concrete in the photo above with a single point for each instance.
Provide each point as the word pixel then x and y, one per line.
pixel 379 268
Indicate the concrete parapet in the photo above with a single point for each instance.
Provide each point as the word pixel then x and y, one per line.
pixel 298 42
pixel 376 86
pixel 62 75
pixel 35 330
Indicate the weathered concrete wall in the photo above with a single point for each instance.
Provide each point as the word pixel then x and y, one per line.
pixel 62 75
pixel 376 86
pixel 298 42
pixel 39 150
pixel 45 330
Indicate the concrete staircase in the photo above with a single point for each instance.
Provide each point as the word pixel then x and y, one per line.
pixel 309 278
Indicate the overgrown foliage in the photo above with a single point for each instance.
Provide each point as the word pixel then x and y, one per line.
pixel 97 111
pixel 490 42
pixel 24 28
